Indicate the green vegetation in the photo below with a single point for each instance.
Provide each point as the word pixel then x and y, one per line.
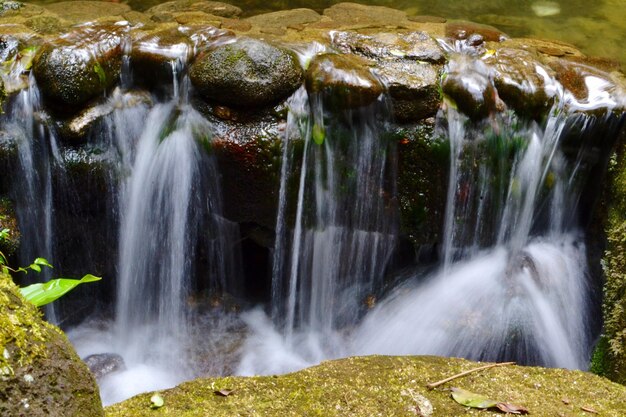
pixel 384 386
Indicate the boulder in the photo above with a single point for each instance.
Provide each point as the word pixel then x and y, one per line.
pixel 468 84
pixel 40 374
pixel 285 18
pixel 356 16
pixel 415 46
pixel 215 8
pixel 79 66
pixel 342 80
pixel 246 73
pixel 81 11
pixel 102 364
pixel 385 386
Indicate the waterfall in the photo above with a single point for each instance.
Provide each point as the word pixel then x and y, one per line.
pixel 32 191
pixel 521 274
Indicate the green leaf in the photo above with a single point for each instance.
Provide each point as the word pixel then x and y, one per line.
pixel 42 294
pixel 42 262
pixel 4 234
pixel 318 134
pixel 35 267
pixel 470 399
pixel 156 401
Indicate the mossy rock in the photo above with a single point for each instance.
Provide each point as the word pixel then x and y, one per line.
pixel 79 66
pixel 385 386
pixel 40 374
pixel 343 80
pixel 246 73
pixel 8 220
pixel 611 352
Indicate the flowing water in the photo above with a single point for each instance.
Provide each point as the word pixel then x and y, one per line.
pixel 512 283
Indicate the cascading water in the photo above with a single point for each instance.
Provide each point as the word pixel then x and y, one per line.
pixel 37 152
pixel 170 212
pixel 345 227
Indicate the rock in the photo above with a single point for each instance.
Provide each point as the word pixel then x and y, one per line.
pixel 102 364
pixel 520 79
pixel 342 80
pixel 8 158
pixel 386 386
pixel 285 18
pixel 46 24
pixel 417 46
pixel 360 16
pixel 75 129
pixel 413 87
pixel 81 11
pixel 154 57
pixel 246 73
pixel 79 66
pixel 210 7
pixel 588 88
pixel 8 220
pixel 41 373
pixel 463 30
pixel 468 84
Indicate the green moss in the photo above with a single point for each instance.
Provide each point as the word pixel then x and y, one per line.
pixel 614 352
pixel 384 386
pixel 40 374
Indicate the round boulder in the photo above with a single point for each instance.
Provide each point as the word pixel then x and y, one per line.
pixel 246 73
pixel 79 66
pixel 343 80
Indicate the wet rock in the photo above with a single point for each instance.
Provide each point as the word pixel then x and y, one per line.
pixel 8 220
pixel 81 11
pixel 588 88
pixel 75 129
pixel 155 57
pixel 8 158
pixel 285 18
pixel 413 87
pixel 343 80
pixel 46 24
pixel 210 7
pixel 361 16
pixel 246 73
pixel 461 30
pixel 520 80
pixel 468 85
pixel 41 375
pixel 427 19
pixel 102 364
pixel 8 6
pixel 417 46
pixel 79 66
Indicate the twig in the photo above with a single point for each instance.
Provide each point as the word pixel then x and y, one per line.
pixel 443 381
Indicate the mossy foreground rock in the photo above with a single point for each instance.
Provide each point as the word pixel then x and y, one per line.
pixel 246 73
pixel 40 374
pixel 385 386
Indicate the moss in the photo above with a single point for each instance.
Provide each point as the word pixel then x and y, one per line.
pixel 40 374
pixel 384 386
pixel 8 220
pixel 614 351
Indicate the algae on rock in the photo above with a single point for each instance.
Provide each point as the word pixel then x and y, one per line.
pixel 40 374
pixel 383 386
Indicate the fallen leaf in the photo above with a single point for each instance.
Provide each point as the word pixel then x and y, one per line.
pixel 512 408
pixel 566 401
pixel 224 392
pixel 156 401
pixel 589 410
pixel 470 399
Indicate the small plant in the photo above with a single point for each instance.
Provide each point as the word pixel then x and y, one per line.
pixel 41 294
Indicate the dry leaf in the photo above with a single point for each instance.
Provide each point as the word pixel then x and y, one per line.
pixel 512 408
pixel 224 392
pixel 589 410
pixel 566 401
